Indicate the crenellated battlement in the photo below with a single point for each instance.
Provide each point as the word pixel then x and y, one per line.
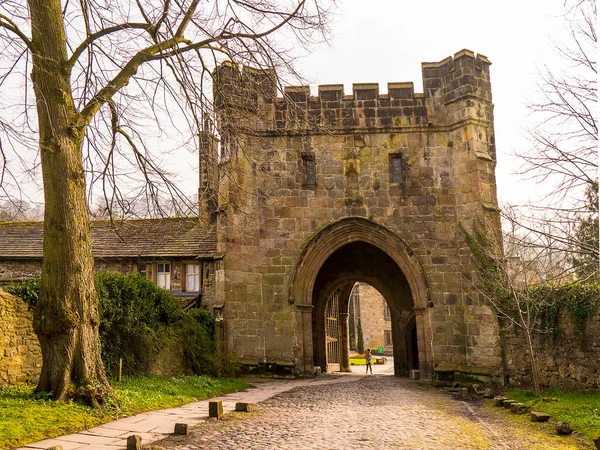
pixel 464 76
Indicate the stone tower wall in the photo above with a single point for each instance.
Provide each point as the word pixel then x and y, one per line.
pixel 444 139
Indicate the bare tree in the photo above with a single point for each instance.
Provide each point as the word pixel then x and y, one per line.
pixel 506 284
pixel 564 151
pixel 102 75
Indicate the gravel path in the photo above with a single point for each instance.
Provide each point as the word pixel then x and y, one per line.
pixel 369 412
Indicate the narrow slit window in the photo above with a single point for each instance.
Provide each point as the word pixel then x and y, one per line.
pixel 396 169
pixel 310 173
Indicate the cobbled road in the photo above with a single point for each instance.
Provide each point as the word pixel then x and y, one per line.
pixel 370 412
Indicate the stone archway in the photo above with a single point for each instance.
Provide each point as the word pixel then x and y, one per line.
pixel 357 249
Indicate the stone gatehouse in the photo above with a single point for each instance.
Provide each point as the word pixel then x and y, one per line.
pixel 305 195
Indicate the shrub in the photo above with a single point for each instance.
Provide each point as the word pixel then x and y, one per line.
pixel 138 320
pixel 197 337
pixel 133 313
pixel 28 290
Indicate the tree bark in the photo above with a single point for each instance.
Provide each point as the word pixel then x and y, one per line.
pixel 66 317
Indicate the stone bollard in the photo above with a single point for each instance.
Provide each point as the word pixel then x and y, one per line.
pixel 134 442
pixel 519 408
pixel 245 407
pixel 563 428
pixel 539 417
pixel 181 429
pixel 215 409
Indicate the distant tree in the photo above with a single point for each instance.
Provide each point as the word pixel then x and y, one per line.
pixel 360 341
pixel 585 244
pixel 564 151
pixel 506 287
pixel 102 73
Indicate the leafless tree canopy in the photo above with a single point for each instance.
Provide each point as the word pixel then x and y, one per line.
pixel 141 78
pixel 565 141
pixel 564 151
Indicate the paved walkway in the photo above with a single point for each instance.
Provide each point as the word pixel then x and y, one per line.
pixel 350 411
pixel 371 412
pixel 155 425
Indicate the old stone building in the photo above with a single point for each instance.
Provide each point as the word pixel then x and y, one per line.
pixel 318 192
pixel 302 196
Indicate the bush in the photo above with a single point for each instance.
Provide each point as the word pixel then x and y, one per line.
pixel 138 320
pixel 133 315
pixel 28 290
pixel 197 336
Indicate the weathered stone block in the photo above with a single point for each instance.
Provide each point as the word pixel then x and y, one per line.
pixel 537 416
pixel 519 408
pixel 245 407
pixel 564 428
pixel 134 442
pixel 508 403
pixel 181 429
pixel 499 400
pixel 215 409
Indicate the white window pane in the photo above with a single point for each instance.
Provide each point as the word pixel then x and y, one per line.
pixel 192 277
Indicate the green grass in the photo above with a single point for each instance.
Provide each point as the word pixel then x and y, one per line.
pixel 25 419
pixel 581 410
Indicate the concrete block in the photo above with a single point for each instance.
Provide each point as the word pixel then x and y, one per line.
pixel 415 375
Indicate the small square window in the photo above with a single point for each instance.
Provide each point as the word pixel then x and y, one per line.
pixel 396 168
pixel 143 270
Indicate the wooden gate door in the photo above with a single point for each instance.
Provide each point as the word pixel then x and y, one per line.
pixel 332 315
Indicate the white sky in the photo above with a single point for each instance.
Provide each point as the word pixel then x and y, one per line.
pixel 386 40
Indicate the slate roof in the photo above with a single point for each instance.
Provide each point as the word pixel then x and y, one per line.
pixel 170 237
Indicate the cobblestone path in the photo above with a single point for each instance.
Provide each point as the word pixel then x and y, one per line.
pixel 373 412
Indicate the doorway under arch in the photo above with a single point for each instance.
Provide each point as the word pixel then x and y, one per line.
pixel 358 250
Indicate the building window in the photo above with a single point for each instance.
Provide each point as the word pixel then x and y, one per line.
pixel 395 168
pixel 388 338
pixel 163 275
pixel 192 277
pixel 309 169
pixel 143 270
pixel 386 311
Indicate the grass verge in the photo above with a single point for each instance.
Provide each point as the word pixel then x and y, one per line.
pixel 25 419
pixel 581 410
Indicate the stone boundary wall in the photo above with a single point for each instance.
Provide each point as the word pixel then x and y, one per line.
pixel 566 361
pixel 20 354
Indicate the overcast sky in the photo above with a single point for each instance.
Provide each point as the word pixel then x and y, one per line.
pixel 386 40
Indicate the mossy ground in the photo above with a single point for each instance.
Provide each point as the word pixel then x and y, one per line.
pixel 581 410
pixel 25 419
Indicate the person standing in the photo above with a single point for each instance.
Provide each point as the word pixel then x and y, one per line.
pixel 368 359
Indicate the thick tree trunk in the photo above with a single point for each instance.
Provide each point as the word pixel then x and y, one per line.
pixel 66 316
